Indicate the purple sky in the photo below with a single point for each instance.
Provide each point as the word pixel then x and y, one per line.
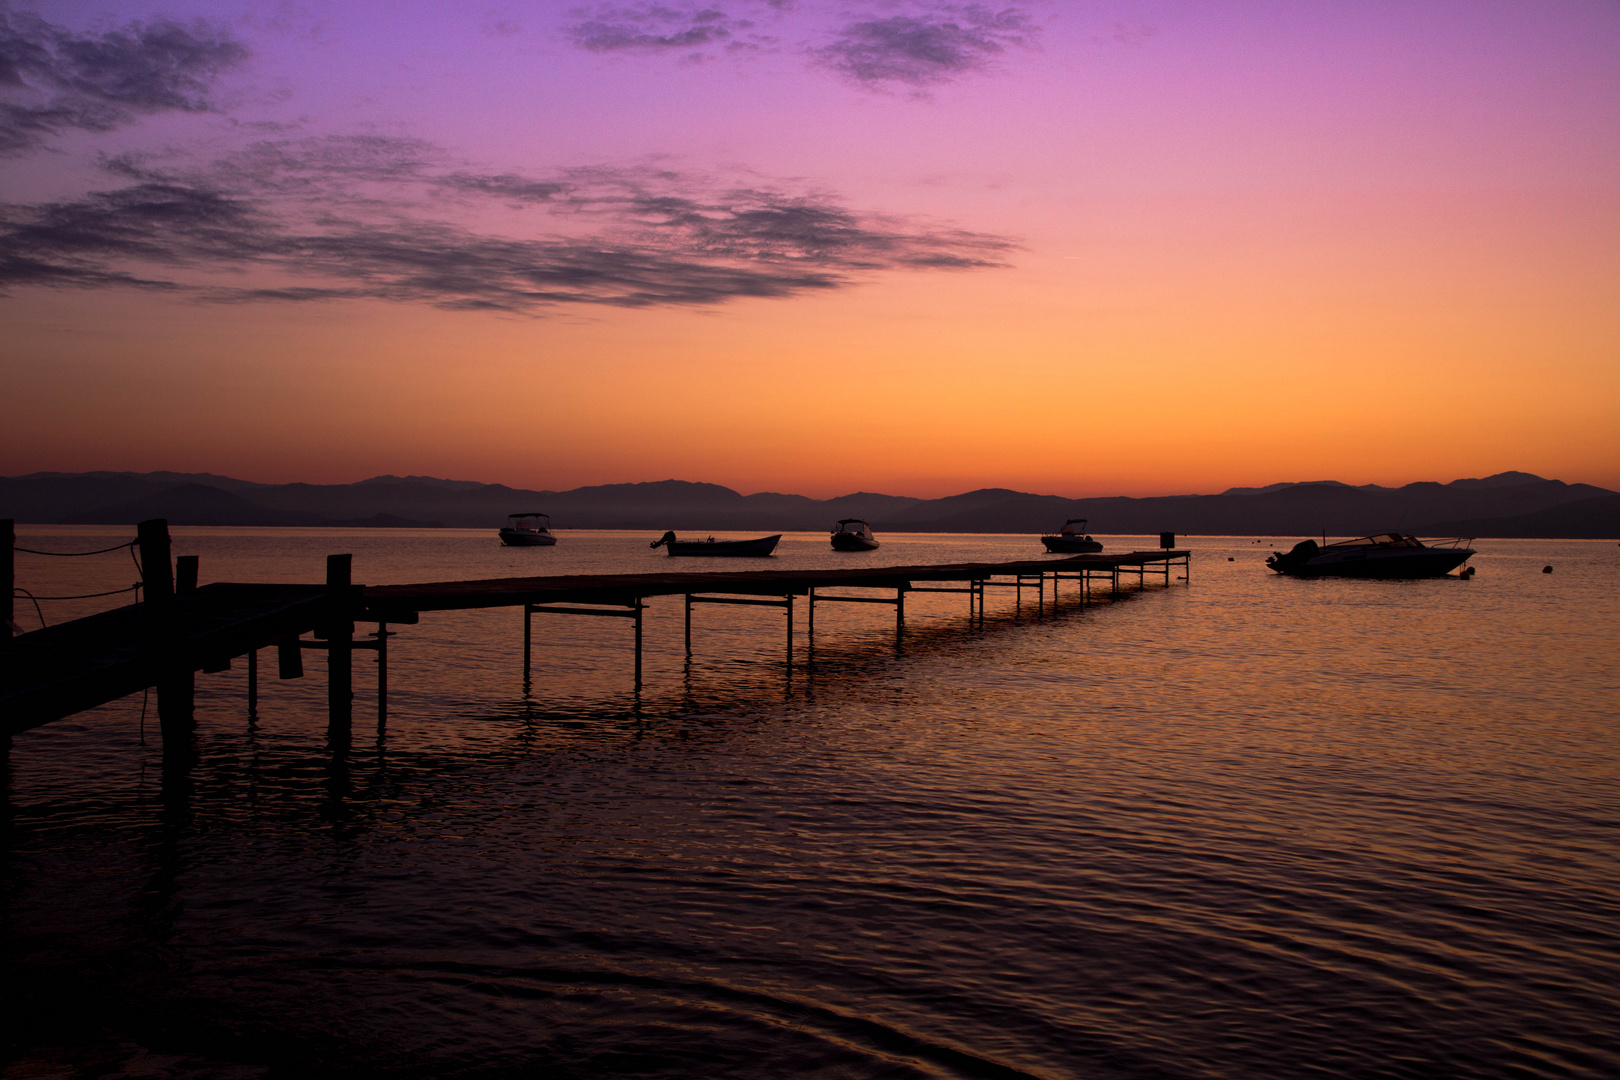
pixel 887 245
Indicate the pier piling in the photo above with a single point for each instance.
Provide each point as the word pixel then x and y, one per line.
pixel 8 572
pixel 339 643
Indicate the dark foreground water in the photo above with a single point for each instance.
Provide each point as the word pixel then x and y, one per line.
pixel 1241 827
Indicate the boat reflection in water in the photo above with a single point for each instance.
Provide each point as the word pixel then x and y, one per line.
pixel 1385 555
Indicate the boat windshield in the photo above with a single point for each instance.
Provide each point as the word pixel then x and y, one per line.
pixel 1388 540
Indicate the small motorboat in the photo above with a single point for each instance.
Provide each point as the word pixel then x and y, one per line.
pixel 1070 540
pixel 1385 555
pixel 762 546
pixel 528 530
pixel 853 534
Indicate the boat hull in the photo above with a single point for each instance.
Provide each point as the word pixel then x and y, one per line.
pixel 1071 545
pixel 725 548
pixel 842 541
pixel 526 538
pixel 1422 564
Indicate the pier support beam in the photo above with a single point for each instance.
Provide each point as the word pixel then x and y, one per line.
pixel 8 574
pixel 616 611
pixel 253 684
pixel 382 636
pixel 176 686
pixel 749 601
pixel 339 644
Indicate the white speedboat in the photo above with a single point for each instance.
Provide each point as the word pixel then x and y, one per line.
pixel 853 534
pixel 1385 555
pixel 528 530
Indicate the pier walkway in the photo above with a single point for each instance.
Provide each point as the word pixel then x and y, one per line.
pixel 55 672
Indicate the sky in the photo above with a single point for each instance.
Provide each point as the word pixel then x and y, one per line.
pixel 906 246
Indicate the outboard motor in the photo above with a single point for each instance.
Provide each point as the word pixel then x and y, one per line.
pixel 1300 554
pixel 1304 551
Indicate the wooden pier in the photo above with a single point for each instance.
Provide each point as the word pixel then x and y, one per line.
pixel 181 629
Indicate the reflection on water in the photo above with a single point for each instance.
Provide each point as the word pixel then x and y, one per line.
pixel 1249 827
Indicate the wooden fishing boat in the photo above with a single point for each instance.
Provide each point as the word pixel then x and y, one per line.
pixel 762 546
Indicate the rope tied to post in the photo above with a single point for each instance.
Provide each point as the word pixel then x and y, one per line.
pixel 31 598
pixel 77 554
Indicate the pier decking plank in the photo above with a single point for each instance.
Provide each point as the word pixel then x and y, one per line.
pixel 63 669
pixel 624 588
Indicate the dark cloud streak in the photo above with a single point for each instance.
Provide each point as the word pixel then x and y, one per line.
pixel 927 48
pixel 915 43
pixel 53 80
pixel 350 218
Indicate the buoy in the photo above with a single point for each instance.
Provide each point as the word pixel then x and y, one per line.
pixel 1546 569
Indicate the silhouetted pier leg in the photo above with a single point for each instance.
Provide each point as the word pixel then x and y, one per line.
pixel 810 629
pixel 253 684
pixel 528 642
pixel 176 688
pixel 790 633
pixel 185 575
pixel 382 674
pixel 688 626
pixel 289 659
pixel 8 571
pixel 899 618
pixel 640 606
pixel 339 645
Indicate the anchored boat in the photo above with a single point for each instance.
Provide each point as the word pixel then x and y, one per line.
pixel 1385 555
pixel 1070 540
pixel 528 530
pixel 853 534
pixel 764 545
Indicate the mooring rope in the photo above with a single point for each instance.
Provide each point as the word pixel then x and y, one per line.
pixel 78 554
pixel 18 591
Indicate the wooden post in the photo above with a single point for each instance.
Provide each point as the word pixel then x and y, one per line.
pixel 289 659
pixel 689 625
pixel 157 576
pixel 382 674
pixel 176 687
pixel 790 633
pixel 185 574
pixel 8 571
pixel 528 639
pixel 899 617
pixel 339 643
pixel 639 607
pixel 253 684
pixel 810 632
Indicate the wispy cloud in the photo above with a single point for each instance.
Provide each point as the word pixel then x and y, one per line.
pixel 914 43
pixel 925 47
pixel 53 80
pixel 374 218
pixel 655 28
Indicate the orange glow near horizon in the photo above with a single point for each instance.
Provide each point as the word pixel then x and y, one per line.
pixel 1237 262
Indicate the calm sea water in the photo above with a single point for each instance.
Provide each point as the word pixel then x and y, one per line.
pixel 1244 826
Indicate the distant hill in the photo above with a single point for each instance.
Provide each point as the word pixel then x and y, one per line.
pixel 1585 519
pixel 1479 507
pixel 200 504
